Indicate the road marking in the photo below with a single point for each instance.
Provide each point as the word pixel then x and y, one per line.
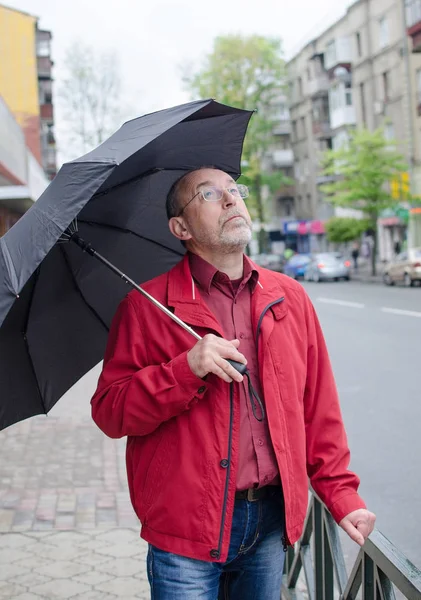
pixel 341 302
pixel 398 311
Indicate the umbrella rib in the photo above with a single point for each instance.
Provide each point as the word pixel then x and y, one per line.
pixel 91 308
pixel 25 340
pixel 142 237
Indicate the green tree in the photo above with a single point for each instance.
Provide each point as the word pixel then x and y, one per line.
pixel 247 72
pixel 341 230
pixel 363 171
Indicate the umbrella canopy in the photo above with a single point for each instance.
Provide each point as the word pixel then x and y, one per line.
pixel 56 303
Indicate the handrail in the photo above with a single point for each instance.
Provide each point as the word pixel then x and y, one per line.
pixel 318 555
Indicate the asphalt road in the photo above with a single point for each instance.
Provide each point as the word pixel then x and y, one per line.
pixel 374 338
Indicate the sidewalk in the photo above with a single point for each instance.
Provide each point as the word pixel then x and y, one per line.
pixel 67 528
pixel 364 275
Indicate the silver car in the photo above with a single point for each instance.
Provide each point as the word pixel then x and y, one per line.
pixel 405 268
pixel 328 266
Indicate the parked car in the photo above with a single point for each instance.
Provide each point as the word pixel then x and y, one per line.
pixel 328 266
pixel 405 268
pixel 296 266
pixel 269 261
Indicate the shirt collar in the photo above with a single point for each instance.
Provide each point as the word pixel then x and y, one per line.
pixel 203 272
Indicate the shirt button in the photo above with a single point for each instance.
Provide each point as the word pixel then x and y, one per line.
pixel 201 389
pixel 242 336
pixel 214 553
pixel 260 442
pixel 224 463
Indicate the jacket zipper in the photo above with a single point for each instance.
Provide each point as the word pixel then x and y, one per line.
pixel 217 554
pixel 284 537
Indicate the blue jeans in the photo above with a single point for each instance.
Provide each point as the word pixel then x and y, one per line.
pixel 253 569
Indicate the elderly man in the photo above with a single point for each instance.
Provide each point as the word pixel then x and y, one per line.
pixel 218 462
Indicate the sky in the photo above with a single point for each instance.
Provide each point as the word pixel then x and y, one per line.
pixel 153 39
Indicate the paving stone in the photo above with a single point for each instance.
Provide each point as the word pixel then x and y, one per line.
pixel 120 586
pixel 10 590
pixel 30 579
pixel 11 540
pixel 61 569
pixel 122 567
pixel 93 578
pixel 27 596
pixel 59 588
pixel 119 550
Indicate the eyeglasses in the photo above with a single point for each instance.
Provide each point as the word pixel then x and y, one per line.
pixel 215 194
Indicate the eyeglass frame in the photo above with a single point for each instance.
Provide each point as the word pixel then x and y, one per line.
pixel 211 201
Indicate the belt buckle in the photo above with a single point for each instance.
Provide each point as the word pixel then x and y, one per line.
pixel 252 495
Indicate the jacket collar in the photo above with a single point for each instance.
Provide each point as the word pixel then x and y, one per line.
pixel 185 298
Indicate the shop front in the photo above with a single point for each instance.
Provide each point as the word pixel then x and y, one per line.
pixel 305 237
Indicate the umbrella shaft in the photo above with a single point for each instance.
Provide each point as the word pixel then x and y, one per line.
pixel 86 246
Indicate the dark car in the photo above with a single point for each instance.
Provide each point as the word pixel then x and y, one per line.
pixel 296 266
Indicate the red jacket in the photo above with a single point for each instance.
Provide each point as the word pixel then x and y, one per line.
pixel 182 447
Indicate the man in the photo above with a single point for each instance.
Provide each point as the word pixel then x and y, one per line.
pixel 218 463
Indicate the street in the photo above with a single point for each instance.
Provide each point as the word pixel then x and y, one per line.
pixel 373 334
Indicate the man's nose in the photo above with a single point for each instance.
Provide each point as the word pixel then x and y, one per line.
pixel 228 199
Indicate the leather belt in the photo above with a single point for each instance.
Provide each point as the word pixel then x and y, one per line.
pixel 254 494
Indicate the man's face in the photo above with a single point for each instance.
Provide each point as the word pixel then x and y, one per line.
pixel 222 226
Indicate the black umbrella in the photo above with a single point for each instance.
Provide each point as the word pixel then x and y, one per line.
pixel 56 304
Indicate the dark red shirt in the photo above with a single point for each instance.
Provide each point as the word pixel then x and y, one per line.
pixel 230 303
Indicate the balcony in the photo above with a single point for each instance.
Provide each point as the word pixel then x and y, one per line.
pixel 47 113
pixel 343 116
pixel 413 23
pixel 44 65
pixel 286 191
pixel 282 128
pixel 319 86
pixel 338 52
pixel 321 129
pixel 283 158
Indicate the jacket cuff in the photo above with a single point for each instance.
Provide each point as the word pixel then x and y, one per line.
pixel 193 385
pixel 345 505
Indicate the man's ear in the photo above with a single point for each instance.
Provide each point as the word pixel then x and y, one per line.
pixel 178 229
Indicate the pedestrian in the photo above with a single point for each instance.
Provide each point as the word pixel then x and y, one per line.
pixel 397 247
pixel 355 254
pixel 218 463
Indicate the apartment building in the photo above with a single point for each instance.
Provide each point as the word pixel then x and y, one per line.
pixel 27 144
pixel 359 72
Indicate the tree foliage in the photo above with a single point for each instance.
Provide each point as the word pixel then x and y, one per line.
pixel 90 97
pixel 362 172
pixel 341 230
pixel 247 72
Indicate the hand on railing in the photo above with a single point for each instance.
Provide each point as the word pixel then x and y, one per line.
pixel 358 525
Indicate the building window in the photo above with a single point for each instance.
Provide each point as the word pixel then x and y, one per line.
pixel 331 53
pixel 303 127
pixel 348 96
pixel 418 80
pixel 43 48
pixel 300 87
pixel 383 32
pixel 358 44
pixel 294 131
pixel 363 107
pixel 385 86
pixel 389 131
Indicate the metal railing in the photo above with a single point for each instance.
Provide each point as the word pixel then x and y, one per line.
pixel 318 555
